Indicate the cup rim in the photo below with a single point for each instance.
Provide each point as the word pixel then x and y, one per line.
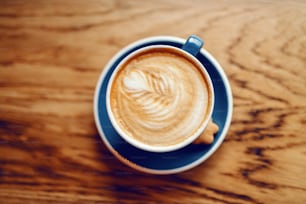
pixel 176 146
pixel 98 87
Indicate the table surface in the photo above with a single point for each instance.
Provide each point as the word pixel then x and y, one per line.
pixel 51 56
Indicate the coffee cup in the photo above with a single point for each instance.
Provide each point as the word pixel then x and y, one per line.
pixel 160 98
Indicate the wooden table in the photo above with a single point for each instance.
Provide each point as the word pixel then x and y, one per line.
pixel 51 56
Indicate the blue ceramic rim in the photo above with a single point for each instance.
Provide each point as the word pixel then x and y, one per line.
pixel 168 40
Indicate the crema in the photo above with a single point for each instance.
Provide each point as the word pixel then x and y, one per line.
pixel 160 97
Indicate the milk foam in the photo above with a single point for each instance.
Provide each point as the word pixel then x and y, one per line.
pixel 159 98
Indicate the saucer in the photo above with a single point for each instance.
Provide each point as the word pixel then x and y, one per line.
pixel 168 162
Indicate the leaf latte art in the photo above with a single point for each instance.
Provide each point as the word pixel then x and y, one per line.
pixel 159 98
pixel 156 95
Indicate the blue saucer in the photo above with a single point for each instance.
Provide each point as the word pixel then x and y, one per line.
pixel 169 162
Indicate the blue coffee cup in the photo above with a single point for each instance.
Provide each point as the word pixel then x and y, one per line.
pixel 186 156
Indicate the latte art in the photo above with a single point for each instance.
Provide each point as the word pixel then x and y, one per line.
pixel 156 96
pixel 159 98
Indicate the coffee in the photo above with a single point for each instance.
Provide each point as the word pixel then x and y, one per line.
pixel 160 97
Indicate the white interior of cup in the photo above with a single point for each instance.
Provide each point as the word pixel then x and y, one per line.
pixel 144 146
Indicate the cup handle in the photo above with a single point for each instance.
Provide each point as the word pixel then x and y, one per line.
pixel 193 45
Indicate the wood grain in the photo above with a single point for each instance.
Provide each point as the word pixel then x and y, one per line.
pixel 52 53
